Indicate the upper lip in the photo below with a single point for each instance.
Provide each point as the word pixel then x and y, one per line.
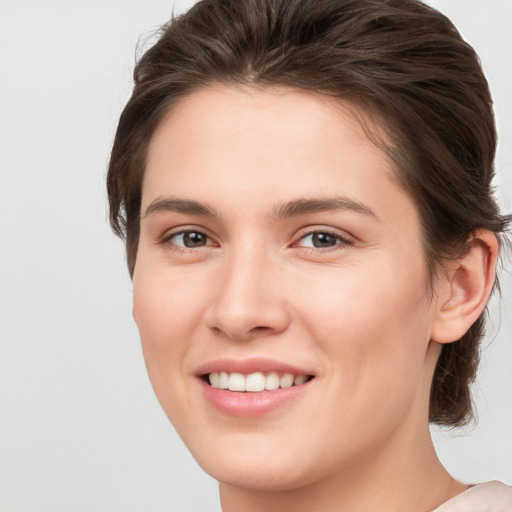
pixel 248 366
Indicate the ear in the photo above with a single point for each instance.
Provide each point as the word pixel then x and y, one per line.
pixel 465 287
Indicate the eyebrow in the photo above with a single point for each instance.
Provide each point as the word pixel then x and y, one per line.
pixel 322 204
pixel 174 204
pixel 292 208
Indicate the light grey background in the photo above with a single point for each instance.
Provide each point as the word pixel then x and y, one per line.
pixel 80 429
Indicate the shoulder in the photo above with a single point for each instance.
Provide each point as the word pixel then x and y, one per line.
pixel 489 497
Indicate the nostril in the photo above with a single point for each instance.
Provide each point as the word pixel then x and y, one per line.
pixel 233 331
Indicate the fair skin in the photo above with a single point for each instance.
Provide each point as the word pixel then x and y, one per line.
pixel 274 240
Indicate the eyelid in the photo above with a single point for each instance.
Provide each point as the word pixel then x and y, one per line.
pixel 344 239
pixel 165 239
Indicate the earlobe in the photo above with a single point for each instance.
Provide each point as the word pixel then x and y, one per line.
pixel 465 289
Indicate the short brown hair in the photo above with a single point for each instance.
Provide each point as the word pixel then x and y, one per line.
pixel 400 61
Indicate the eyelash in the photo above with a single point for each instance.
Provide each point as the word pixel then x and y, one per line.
pixel 167 240
pixel 340 240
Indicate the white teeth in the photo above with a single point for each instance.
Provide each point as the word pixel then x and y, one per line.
pixel 300 380
pixel 236 382
pixel 286 381
pixel 224 380
pixel 214 379
pixel 272 381
pixel 254 382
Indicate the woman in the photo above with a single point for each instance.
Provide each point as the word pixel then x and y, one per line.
pixel 305 192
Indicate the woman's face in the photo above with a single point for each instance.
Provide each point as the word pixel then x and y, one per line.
pixel 275 248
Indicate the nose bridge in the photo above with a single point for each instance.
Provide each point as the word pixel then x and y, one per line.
pixel 248 300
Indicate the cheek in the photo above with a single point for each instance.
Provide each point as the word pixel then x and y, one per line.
pixel 164 316
pixel 373 326
pixel 165 303
pixel 166 313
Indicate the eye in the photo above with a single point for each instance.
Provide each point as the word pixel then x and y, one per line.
pixel 322 240
pixel 189 239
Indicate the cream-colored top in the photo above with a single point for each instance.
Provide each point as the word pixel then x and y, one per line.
pixel 488 497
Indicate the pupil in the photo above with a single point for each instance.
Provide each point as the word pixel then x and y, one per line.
pixel 194 239
pixel 323 240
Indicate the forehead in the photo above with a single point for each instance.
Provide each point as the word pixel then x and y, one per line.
pixel 261 145
pixel 258 111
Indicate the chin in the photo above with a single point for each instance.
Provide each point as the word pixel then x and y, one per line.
pixel 270 476
pixel 259 463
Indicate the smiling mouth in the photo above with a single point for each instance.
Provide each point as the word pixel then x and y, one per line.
pixel 254 382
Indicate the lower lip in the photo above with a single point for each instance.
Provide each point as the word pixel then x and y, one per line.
pixel 247 404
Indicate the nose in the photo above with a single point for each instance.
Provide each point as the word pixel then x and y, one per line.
pixel 249 300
